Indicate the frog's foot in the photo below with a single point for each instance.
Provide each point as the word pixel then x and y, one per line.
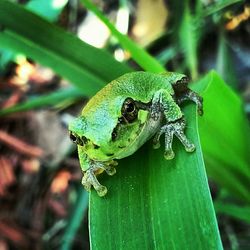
pixel 191 95
pixel 171 129
pixel 89 179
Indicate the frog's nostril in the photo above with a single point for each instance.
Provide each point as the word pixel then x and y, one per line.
pixel 96 146
pixel 72 137
pixel 84 139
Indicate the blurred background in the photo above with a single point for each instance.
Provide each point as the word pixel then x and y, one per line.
pixel 40 189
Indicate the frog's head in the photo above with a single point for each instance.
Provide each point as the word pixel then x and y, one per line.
pixel 110 129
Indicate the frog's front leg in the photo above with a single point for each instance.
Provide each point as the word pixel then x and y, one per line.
pixel 92 168
pixel 175 123
pixel 89 179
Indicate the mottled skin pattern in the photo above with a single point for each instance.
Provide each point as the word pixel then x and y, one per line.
pixel 127 112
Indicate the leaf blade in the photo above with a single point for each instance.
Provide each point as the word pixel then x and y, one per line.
pixel 151 200
pixel 231 137
pixel 44 100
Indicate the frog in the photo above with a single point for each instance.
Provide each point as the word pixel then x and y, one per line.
pixel 124 115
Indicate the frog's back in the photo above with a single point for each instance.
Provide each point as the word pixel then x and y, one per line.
pixel 137 85
pixel 140 85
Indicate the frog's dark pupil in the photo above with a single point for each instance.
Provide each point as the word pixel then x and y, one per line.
pixel 129 107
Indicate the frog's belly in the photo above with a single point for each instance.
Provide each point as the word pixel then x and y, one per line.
pixel 149 129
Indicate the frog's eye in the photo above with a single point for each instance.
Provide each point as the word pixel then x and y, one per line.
pixel 129 110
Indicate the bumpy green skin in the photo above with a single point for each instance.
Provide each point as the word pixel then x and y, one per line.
pixel 102 136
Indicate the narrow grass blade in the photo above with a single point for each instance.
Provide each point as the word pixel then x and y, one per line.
pixel 156 204
pixel 146 61
pixel 225 66
pixel 189 42
pixel 44 101
pixel 225 136
pixel 75 219
pixel 217 6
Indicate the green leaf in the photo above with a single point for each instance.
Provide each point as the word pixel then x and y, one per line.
pixel 217 6
pixel 75 218
pixel 60 50
pixel 225 66
pixel 44 100
pixel 188 34
pixel 156 204
pixel 235 211
pixel 166 55
pixel 48 9
pixel 225 136
pixel 146 61
pixel 5 57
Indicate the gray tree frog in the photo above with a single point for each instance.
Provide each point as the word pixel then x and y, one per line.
pixel 126 113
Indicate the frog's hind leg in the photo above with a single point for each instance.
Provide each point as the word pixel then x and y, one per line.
pixel 183 93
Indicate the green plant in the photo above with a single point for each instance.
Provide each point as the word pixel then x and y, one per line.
pixel 153 204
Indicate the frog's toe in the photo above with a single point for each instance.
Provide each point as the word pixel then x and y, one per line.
pixel 87 187
pixel 114 163
pixel 156 145
pixel 86 184
pixel 169 154
pixel 200 110
pixel 190 148
pixel 156 140
pixel 101 190
pixel 110 170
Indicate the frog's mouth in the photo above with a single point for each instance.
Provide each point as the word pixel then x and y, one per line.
pixel 142 131
pixel 131 144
